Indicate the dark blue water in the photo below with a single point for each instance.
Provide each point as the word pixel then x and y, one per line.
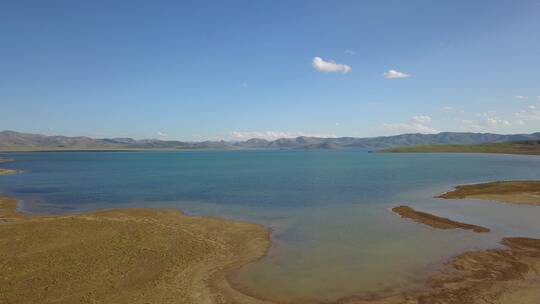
pixel 333 234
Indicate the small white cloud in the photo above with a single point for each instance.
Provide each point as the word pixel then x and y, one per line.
pixel 447 108
pixel 329 66
pixel 393 74
pixel 337 124
pixel 244 84
pixel 421 119
pixel 417 124
pixel 531 107
pixel 520 97
pixel 350 52
pixel 162 134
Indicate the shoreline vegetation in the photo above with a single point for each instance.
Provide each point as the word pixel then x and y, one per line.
pixel 163 256
pixel 435 221
pixel 7 171
pixel 529 147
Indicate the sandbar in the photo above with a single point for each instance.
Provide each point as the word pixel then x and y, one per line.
pixel 435 221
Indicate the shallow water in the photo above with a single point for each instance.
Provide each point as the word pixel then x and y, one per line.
pixel 333 234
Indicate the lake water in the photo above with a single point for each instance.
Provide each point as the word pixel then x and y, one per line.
pixel 333 234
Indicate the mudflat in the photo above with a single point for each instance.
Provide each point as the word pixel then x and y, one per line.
pixel 123 256
pixel 501 276
pixel 435 221
pixel 7 171
pixel 516 192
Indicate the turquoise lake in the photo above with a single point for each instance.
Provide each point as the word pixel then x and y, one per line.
pixel 333 234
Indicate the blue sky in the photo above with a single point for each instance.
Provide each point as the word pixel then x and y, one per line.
pixel 239 69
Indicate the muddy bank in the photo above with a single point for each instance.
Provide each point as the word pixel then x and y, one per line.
pixel 515 192
pixel 435 221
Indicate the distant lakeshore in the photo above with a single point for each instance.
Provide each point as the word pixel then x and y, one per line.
pixel 530 147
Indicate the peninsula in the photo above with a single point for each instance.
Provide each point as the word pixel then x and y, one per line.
pixel 516 192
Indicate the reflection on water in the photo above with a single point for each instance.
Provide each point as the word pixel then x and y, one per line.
pixel 333 234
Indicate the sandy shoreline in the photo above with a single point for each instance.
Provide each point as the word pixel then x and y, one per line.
pixel 123 256
pixel 163 256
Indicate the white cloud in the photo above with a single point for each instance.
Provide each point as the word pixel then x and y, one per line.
pixel 528 114
pixel 408 128
pixel 162 134
pixel 494 121
pixel 520 97
pixel 417 124
pixel 271 135
pixel 531 107
pixel 350 52
pixel 421 119
pixel 447 108
pixel 393 74
pixel 329 66
pixel 486 121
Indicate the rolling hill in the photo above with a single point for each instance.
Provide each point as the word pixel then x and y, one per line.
pixel 16 141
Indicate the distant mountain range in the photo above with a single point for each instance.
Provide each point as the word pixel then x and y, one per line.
pixel 16 141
